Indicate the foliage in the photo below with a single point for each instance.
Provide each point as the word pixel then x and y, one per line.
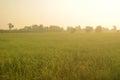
pixel 88 29
pixel 99 28
pixel 10 26
pixel 55 28
pixel 78 28
pixel 71 29
pixel 41 28
pixel 114 28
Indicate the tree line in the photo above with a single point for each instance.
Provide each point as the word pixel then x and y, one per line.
pixel 55 28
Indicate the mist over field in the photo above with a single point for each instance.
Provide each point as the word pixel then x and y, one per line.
pixel 60 56
pixel 59 40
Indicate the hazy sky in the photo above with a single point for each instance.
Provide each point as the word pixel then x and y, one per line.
pixel 60 12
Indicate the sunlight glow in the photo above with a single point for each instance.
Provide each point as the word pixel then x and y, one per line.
pixel 60 12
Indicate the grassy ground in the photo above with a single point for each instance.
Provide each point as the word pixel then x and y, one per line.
pixel 59 56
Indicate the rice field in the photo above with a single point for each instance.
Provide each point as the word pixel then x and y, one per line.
pixel 60 56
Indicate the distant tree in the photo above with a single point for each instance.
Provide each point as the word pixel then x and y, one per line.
pixel 41 28
pixel 35 27
pixel 88 29
pixel 98 28
pixel 46 29
pixel 10 26
pixel 71 29
pixel 54 28
pixel 105 29
pixel 27 28
pixel 78 28
pixel 114 28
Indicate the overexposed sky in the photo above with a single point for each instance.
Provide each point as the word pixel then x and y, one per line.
pixel 59 12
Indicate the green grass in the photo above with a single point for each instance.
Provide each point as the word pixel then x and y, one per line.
pixel 59 56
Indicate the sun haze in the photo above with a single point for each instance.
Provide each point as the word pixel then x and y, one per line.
pixel 59 12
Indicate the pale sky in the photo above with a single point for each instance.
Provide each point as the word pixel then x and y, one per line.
pixel 59 12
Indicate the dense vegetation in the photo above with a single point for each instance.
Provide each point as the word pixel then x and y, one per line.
pixel 55 28
pixel 60 56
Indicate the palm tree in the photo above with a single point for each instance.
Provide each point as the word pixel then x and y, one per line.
pixel 10 26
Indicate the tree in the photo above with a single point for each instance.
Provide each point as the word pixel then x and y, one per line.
pixel 35 27
pixel 46 28
pixel 105 29
pixel 78 28
pixel 27 28
pixel 10 26
pixel 54 28
pixel 114 28
pixel 41 28
pixel 88 29
pixel 71 29
pixel 99 28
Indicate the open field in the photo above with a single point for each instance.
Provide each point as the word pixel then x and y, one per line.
pixel 60 56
